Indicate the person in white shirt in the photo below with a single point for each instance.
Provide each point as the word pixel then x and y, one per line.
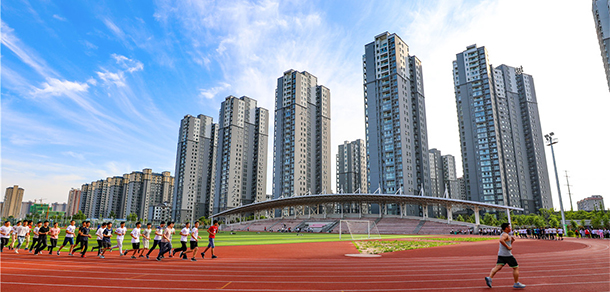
pixel 35 237
pixel 69 238
pixel 22 233
pixel 120 235
pixel 157 238
pixel 560 233
pixel 5 232
pixel 194 239
pixel 135 240
pixel 14 235
pixel 100 238
pixel 145 233
pixel 184 235
pixel 166 240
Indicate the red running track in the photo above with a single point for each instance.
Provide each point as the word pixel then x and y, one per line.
pixel 569 265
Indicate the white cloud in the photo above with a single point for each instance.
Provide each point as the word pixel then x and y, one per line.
pixel 117 78
pixel 92 81
pixel 210 93
pixel 58 17
pixel 128 64
pixel 14 44
pixel 56 87
pixel 115 29
pixel 89 45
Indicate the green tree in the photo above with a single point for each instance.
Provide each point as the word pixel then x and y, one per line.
pixel 132 217
pixel 539 222
pixel 79 216
pixel 582 223
pixel 596 222
pixel 554 222
pixel 204 221
pixel 490 219
pixel 460 218
pixel 574 225
pixel 112 215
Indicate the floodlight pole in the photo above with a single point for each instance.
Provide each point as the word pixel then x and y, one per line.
pixel 549 139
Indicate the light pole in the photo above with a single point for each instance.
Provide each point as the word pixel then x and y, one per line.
pixel 551 141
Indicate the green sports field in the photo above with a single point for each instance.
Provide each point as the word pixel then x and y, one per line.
pixel 241 238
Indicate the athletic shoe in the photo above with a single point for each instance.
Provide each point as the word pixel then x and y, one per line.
pixel 50 252
pixel 193 260
pixel 57 252
pixel 26 248
pixel 518 285
pixel 141 256
pixel 146 256
pixel 133 257
pixel 158 259
pixel 488 281
pixel 102 257
pixel 185 258
pixel 214 257
pixel 181 253
pixel 71 254
pixel 125 252
pixel 83 256
pixel 203 255
pixel 17 251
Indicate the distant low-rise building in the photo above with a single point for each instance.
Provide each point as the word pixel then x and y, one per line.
pixel 591 203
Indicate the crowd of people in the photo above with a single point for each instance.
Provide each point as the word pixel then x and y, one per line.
pixel 78 240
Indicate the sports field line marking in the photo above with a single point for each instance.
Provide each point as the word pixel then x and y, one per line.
pixel 134 277
pixel 204 289
pixel 225 285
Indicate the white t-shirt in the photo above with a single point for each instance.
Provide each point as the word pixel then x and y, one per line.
pixel 560 231
pixel 100 233
pixel 4 231
pixel 136 235
pixel 23 231
pixel 70 228
pixel 184 231
pixel 195 233
pixel 120 233
pixel 160 231
pixel 36 231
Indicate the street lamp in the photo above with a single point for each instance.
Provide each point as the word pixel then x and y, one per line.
pixel 550 140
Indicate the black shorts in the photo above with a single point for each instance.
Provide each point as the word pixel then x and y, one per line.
pixel 135 245
pixel 511 261
pixel 193 244
pixel 106 244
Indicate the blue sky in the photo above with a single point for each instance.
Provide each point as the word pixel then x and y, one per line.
pixel 94 89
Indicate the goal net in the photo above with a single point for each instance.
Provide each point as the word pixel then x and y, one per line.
pixel 359 229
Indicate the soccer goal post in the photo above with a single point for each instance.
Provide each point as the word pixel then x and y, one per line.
pixel 359 229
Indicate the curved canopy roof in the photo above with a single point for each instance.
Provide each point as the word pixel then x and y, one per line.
pixel 311 200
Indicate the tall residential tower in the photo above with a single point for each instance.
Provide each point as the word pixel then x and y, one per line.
pixel 351 167
pixel 12 202
pixel 601 16
pixel 301 148
pixel 395 117
pixel 501 138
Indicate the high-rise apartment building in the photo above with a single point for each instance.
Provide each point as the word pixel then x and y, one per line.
pixel 120 196
pixel 12 202
pixel 193 194
pixel 450 177
pixel 301 152
pixel 241 164
pixel 74 196
pixel 601 16
pixel 461 186
pixel 394 104
pixel 437 174
pixel 501 138
pixel 351 167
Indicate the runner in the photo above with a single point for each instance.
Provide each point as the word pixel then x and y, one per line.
pixel 145 239
pixel 54 234
pixel 35 237
pixel 5 232
pixel 157 239
pixel 14 230
pixel 212 235
pixel 120 235
pixel 135 241
pixel 107 236
pixel 42 237
pixel 184 235
pixel 560 233
pixel 100 239
pixel 83 232
pixel 166 239
pixel 21 234
pixel 27 236
pixel 194 242
pixel 69 238
pixel 505 256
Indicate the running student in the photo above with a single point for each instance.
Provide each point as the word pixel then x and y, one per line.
pixel 100 239
pixel 135 241
pixel 166 239
pixel 69 238
pixel 22 233
pixel 107 235
pixel 54 234
pixel 157 239
pixel 42 237
pixel 145 239
pixel 184 235
pixel 194 242
pixel 84 234
pixel 14 230
pixel 35 237
pixel 505 256
pixel 120 235
pixel 212 235
pixel 5 232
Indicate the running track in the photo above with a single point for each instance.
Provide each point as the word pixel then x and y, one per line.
pixel 569 265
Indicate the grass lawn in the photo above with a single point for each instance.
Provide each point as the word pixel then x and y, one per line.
pixel 382 246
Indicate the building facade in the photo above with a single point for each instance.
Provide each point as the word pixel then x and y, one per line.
pixel 193 194
pixel 301 151
pixel 74 196
pixel 395 117
pixel 591 203
pixel 120 196
pixel 351 167
pixel 241 163
pixel 601 16
pixel 450 176
pixel 437 173
pixel 13 198
pixel 501 139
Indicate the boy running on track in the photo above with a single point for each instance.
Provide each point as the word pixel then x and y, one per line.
pixel 100 239
pixel 157 239
pixel 120 235
pixel 54 234
pixel 212 235
pixel 194 242
pixel 5 232
pixel 107 235
pixel 184 235
pixel 84 238
pixel 27 235
pixel 135 241
pixel 35 237
pixel 42 237
pixel 166 239
pixel 69 237
pixel 14 230
pixel 505 256
pixel 145 239
pixel 21 235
